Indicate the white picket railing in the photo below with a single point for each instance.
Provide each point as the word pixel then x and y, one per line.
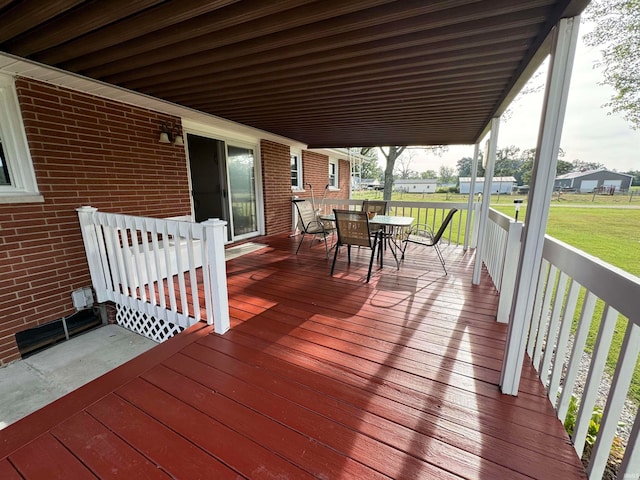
pixel 502 249
pixel 136 262
pixel 567 276
pixel 574 285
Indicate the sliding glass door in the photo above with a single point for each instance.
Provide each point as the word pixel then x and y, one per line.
pixel 241 165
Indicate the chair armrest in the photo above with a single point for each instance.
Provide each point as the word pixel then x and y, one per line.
pixel 420 233
pixel 317 226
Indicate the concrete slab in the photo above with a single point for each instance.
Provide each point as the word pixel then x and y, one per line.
pixel 30 384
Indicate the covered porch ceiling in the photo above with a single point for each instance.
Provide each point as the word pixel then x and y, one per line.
pixel 328 73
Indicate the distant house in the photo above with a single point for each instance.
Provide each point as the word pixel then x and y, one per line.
pixel 502 185
pixel 415 185
pixel 593 179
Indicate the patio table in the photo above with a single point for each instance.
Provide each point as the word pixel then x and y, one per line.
pixel 389 223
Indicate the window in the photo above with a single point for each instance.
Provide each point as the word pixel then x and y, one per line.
pixel 296 171
pixel 17 178
pixel 333 174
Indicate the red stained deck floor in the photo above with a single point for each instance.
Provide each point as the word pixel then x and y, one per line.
pixel 319 377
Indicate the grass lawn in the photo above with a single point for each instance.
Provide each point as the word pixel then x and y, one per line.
pixel 601 225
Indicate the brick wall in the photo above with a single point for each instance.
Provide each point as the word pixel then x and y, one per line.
pixel 86 151
pixel 276 185
pixel 276 182
pixel 315 170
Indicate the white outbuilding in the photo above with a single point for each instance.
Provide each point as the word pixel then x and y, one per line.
pixel 416 185
pixel 501 185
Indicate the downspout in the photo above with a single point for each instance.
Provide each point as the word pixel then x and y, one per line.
pixel 472 188
pixel 486 199
pixel 563 48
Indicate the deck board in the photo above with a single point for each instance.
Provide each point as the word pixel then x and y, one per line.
pixel 319 376
pixel 102 451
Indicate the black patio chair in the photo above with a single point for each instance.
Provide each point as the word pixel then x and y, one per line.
pixel 309 223
pixel 422 234
pixel 353 229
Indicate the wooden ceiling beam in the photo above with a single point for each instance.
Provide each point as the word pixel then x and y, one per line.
pixel 490 66
pixel 124 28
pixel 28 14
pixel 89 17
pixel 422 43
pixel 318 114
pixel 405 90
pixel 163 47
pixel 417 94
pixel 380 23
pixel 386 71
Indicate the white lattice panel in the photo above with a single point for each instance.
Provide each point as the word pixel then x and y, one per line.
pixel 147 325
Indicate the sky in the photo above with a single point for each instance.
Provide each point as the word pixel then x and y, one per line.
pixel 589 133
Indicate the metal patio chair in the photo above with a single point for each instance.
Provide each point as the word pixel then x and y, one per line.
pixel 309 223
pixel 423 234
pixel 353 229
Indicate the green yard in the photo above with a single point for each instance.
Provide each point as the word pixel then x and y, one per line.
pixel 607 227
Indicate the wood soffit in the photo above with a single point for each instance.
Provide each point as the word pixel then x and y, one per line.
pixel 327 73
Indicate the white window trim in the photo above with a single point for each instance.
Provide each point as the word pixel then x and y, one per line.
pixel 23 188
pixel 333 161
pixel 300 187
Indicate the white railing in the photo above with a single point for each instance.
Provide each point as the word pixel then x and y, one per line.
pixel 430 213
pixel 574 285
pixel 150 266
pixel 572 288
pixel 500 256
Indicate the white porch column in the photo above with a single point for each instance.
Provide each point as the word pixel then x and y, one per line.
pixel 490 162
pixel 90 239
pixel 562 53
pixel 472 188
pixel 215 267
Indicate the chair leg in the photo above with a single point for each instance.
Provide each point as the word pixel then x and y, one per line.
pixel 440 257
pixel 373 255
pixel 335 255
pixel 349 254
pixel 300 243
pixel 326 248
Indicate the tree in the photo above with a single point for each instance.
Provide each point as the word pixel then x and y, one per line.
pixel 636 176
pixel 447 174
pixel 391 155
pixel 508 163
pixel 402 167
pixel 369 167
pixel 580 166
pixel 528 156
pixel 564 167
pixel 429 174
pixel 464 166
pixel 617 32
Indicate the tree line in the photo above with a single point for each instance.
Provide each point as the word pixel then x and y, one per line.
pixel 511 161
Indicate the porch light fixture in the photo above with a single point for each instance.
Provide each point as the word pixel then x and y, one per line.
pixel 167 135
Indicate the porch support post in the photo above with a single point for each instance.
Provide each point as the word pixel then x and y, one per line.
pixel 490 162
pixel 215 267
pixel 543 176
pixel 90 240
pixel 472 188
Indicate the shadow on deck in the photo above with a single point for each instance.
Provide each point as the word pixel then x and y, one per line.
pixel 319 376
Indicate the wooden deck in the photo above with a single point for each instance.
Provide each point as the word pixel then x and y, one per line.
pixel 319 377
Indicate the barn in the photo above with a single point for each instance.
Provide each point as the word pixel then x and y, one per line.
pixel 501 185
pixel 592 180
pixel 416 185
